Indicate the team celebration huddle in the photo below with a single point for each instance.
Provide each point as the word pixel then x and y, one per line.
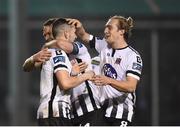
pixel 77 90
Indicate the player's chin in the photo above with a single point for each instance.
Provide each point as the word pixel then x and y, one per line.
pixel 107 39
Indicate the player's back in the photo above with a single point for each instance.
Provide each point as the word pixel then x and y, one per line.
pixel 50 92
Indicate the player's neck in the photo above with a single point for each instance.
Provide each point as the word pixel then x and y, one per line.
pixel 119 44
pixel 62 39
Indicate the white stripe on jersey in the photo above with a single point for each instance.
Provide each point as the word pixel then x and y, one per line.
pixel 130 113
pixel 135 76
pixel 89 104
pixel 78 108
pixel 120 111
pixel 108 111
pixel 66 110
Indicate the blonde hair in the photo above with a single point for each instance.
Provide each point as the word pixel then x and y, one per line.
pixel 125 24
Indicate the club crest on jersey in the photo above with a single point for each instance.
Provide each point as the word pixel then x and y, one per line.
pixel 137 66
pixel 59 59
pixel 109 71
pixel 118 61
pixel 108 54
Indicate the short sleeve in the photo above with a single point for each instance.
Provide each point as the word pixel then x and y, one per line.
pixel 134 67
pixel 60 61
pixel 81 48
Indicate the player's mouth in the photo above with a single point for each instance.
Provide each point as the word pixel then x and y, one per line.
pixel 106 36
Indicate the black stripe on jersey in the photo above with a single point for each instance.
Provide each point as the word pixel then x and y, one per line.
pixel 60 66
pixel 60 109
pixel 53 93
pixel 125 111
pixel 64 109
pixel 74 109
pixel 67 113
pixel 89 89
pixel 133 97
pixel 134 50
pixel 133 72
pixel 91 95
pixel 113 52
pixel 114 110
pixel 92 42
pixel 106 104
pixel 82 104
pixel 79 60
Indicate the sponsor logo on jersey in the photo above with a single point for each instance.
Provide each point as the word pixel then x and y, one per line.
pixel 137 66
pixel 109 71
pixel 59 59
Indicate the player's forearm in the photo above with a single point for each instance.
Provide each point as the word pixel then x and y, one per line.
pixel 83 35
pixel 125 86
pixel 72 82
pixel 29 64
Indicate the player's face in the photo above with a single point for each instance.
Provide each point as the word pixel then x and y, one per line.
pixel 72 34
pixel 47 33
pixel 111 31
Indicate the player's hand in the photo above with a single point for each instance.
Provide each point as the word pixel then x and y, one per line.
pixel 100 80
pixel 74 22
pixel 78 68
pixel 89 75
pixel 42 55
pixel 82 66
pixel 80 31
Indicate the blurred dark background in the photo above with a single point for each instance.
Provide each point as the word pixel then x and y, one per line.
pixel 156 36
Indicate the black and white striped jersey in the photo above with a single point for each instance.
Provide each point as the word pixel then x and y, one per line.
pixel 54 102
pixel 84 97
pixel 117 64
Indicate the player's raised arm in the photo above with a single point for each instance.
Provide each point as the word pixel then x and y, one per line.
pixel 80 31
pixel 36 60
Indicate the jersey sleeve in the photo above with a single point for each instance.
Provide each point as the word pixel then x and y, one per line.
pixel 81 48
pixel 97 43
pixel 75 50
pixel 60 61
pixel 134 67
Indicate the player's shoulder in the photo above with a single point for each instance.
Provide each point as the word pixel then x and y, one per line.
pixel 132 51
pixel 79 44
pixel 56 51
pixel 58 56
pixel 134 55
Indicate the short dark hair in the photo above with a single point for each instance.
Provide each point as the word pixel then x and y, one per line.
pixel 56 24
pixel 49 21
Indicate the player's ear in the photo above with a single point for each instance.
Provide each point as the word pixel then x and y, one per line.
pixel 122 31
pixel 66 34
